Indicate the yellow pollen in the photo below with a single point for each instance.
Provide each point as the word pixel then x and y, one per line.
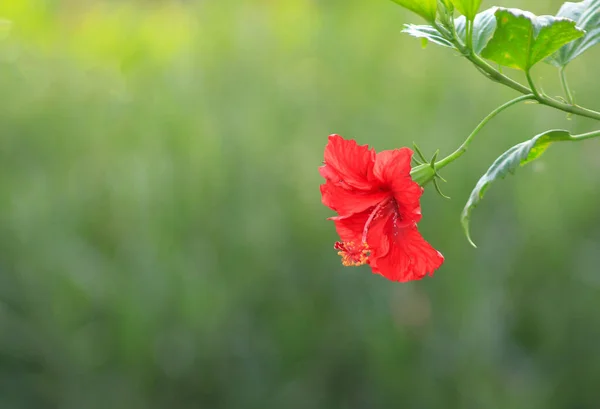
pixel 353 255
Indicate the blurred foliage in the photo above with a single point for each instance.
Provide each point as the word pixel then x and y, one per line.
pixel 163 244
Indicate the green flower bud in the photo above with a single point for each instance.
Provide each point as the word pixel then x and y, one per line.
pixel 422 174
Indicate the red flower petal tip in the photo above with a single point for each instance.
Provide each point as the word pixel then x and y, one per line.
pixel 378 208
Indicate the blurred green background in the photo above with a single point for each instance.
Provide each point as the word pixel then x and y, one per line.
pixel 163 243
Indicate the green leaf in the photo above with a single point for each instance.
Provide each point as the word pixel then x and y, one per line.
pixel 522 39
pixel 447 4
pixel 428 33
pixel 425 8
pixel 484 26
pixel 586 15
pixel 509 162
pixel 483 29
pixel 468 8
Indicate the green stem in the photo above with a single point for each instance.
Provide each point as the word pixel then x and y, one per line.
pixel 532 85
pixel 496 75
pixel 469 34
pixel 492 73
pixel 584 136
pixel 463 148
pixel 565 85
pixel 573 109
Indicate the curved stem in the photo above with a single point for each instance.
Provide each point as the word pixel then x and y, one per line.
pixel 532 85
pixel 463 148
pixel 584 136
pixel 497 76
pixel 565 85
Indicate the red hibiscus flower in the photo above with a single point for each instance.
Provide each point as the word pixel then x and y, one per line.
pixel 378 208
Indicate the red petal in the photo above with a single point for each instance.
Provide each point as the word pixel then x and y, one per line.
pixel 348 164
pixel 409 257
pixel 392 168
pixel 347 202
pixel 350 229
pixel 390 165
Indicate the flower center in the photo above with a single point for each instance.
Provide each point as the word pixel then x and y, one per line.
pixel 351 254
pixel 357 255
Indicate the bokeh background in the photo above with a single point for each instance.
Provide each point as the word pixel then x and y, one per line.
pixel 163 244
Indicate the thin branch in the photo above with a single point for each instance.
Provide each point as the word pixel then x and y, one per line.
pixel 565 85
pixel 463 148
